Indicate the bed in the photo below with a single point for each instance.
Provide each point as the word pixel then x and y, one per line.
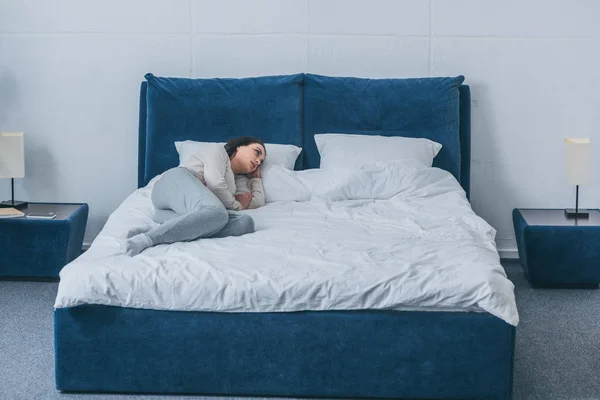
pixel 108 340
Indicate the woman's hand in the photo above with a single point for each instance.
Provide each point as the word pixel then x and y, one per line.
pixel 255 174
pixel 244 199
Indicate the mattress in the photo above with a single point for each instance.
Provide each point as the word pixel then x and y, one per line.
pixel 408 240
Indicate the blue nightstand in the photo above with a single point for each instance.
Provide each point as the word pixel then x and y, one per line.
pixel 556 251
pixel 40 248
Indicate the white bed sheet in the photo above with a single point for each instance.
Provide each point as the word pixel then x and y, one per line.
pixel 422 248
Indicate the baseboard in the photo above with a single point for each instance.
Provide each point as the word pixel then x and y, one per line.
pixel 508 254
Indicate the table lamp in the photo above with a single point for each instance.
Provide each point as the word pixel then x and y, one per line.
pixel 578 171
pixel 12 164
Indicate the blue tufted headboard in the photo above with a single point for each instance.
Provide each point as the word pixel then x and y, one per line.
pixel 291 109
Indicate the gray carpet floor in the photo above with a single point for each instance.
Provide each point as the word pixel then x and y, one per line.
pixel 557 351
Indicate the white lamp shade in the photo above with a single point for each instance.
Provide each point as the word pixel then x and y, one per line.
pixel 12 155
pixel 578 161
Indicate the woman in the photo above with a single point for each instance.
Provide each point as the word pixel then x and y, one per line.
pixel 200 199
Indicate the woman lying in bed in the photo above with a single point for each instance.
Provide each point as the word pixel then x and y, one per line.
pixel 200 199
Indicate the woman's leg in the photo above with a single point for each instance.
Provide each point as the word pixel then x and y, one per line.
pixel 238 225
pixel 200 212
pixel 161 216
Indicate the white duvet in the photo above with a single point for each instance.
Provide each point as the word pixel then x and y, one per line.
pixel 392 236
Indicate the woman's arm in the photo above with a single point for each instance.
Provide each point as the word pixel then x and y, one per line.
pixel 253 186
pixel 258 193
pixel 215 166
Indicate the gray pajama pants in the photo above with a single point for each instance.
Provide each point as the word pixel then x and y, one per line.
pixel 187 210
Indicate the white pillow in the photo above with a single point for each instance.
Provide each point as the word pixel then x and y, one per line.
pixel 381 180
pixel 282 184
pixel 340 150
pixel 284 155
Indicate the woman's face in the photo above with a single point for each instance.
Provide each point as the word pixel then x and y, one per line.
pixel 247 158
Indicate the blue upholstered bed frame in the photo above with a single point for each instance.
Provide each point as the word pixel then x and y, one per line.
pixel 362 353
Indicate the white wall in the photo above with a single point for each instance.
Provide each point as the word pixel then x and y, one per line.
pixel 70 72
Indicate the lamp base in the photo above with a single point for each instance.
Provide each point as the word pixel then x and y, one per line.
pixel 571 213
pixel 13 204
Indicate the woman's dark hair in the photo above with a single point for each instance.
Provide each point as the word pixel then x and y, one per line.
pixel 232 145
